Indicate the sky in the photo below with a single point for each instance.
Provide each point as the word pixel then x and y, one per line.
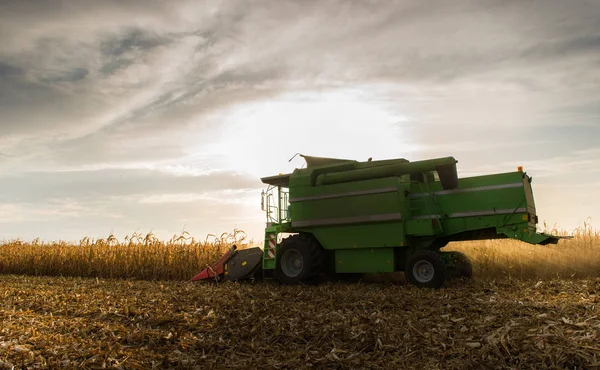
pixel 152 116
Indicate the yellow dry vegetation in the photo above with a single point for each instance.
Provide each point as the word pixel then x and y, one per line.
pixel 137 257
pixel 578 257
pixel 148 258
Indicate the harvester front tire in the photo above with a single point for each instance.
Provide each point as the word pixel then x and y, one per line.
pixel 306 248
pixel 426 269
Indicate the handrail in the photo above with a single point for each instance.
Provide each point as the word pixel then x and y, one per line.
pixel 276 208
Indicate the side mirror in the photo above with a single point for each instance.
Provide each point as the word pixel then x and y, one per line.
pixel 262 200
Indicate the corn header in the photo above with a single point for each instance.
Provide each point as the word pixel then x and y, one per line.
pixel 339 216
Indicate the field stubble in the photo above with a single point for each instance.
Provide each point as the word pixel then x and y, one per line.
pixel 111 323
pixel 527 307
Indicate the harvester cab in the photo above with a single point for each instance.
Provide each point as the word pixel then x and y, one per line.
pixel 343 216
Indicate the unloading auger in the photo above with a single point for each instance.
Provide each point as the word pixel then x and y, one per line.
pixel 339 216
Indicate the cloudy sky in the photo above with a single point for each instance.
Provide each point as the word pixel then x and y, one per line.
pixel 117 117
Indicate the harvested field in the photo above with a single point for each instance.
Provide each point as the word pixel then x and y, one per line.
pixel 527 307
pixel 95 323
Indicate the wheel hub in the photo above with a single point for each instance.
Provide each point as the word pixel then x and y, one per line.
pixel 423 271
pixel 292 263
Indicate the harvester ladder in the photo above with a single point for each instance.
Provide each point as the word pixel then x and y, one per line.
pixel 270 245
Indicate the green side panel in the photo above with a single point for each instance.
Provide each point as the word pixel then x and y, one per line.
pixel 468 199
pixel 484 222
pixel 471 182
pixel 362 213
pixel 316 212
pixel 480 202
pixel 376 235
pixel 372 260
pixel 389 200
pixel 423 227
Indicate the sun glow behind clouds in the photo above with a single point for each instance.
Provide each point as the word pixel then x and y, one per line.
pixel 259 138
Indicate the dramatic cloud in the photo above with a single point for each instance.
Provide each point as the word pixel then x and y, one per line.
pixel 178 96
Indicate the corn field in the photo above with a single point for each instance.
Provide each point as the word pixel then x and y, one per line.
pixel 578 257
pixel 137 257
pixel 148 258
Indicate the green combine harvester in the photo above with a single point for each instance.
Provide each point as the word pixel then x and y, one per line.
pixel 339 216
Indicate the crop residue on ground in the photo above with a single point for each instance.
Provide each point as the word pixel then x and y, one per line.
pixel 95 323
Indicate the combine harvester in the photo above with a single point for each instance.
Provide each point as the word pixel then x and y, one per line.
pixel 340 216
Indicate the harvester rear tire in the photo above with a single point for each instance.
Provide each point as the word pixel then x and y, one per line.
pixel 462 268
pixel 425 269
pixel 312 254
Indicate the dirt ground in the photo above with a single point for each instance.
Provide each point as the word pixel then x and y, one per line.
pixel 479 324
